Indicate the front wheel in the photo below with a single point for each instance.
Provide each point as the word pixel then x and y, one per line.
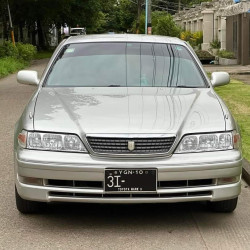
pixel 28 207
pixel 226 206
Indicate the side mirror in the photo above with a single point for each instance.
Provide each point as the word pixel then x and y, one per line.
pixel 29 77
pixel 220 78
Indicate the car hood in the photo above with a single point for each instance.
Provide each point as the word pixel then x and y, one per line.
pixel 128 110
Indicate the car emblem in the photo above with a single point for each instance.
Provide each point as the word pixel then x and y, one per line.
pixel 131 145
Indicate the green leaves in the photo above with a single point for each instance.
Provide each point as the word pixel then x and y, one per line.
pixel 162 24
pixel 25 52
pixel 59 12
pixel 167 27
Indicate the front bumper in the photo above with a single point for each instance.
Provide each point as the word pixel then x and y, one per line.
pixel 85 167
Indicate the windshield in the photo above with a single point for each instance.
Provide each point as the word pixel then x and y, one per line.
pixel 125 65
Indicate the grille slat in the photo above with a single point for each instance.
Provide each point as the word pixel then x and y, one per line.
pixel 120 145
pixel 160 184
pixel 130 196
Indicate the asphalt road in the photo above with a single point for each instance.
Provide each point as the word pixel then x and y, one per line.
pixel 81 226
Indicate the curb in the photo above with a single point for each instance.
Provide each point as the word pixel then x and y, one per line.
pixel 246 171
pixel 240 73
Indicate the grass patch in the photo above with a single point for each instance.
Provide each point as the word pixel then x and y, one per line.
pixel 10 65
pixel 237 97
pixel 43 54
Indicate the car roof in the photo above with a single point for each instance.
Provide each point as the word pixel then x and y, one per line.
pixel 124 38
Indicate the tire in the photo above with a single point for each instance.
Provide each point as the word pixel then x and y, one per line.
pixel 28 207
pixel 226 206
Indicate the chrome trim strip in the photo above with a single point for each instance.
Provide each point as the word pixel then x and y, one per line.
pixel 131 135
pixel 130 200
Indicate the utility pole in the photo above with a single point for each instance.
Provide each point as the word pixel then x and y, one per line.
pixel 11 26
pixel 149 17
pixel 139 4
pixel 179 6
pixel 148 25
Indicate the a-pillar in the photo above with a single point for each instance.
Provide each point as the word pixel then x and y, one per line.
pixel 208 28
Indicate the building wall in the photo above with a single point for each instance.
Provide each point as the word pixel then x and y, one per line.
pixel 230 34
pixel 221 20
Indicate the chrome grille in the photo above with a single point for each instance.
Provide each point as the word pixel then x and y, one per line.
pixel 120 145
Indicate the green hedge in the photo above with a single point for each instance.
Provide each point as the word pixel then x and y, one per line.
pixel 226 54
pixel 21 51
pixel 27 52
pixel 10 65
pixel 14 58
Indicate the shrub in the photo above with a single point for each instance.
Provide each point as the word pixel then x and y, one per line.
pixel 186 35
pixel 204 55
pixel 195 39
pixel 2 51
pixel 22 51
pixel 215 44
pixel 226 54
pixel 167 27
pixel 10 65
pixel 8 50
pixel 162 24
pixel 26 52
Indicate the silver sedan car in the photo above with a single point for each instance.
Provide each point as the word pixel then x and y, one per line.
pixel 126 119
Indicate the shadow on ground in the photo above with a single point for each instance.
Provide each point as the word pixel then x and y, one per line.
pixel 136 217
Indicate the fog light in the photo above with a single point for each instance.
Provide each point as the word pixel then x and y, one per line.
pixel 31 181
pixel 228 180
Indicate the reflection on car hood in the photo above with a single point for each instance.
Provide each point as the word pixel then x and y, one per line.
pixel 128 110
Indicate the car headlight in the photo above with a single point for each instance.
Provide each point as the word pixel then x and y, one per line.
pixel 209 142
pixel 51 142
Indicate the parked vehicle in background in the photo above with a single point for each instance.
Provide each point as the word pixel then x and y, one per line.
pixel 126 119
pixel 77 31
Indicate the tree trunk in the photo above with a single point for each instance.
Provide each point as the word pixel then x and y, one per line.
pixel 59 34
pixel 21 32
pixel 138 16
pixel 5 29
pixel 32 35
pixel 16 30
pixel 41 40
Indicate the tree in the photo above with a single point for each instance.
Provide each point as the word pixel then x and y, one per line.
pixel 126 15
pixel 39 15
pixel 118 15
pixel 4 18
pixel 162 24
pixel 167 27
pixel 98 16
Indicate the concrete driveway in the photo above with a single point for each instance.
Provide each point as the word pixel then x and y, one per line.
pixel 81 226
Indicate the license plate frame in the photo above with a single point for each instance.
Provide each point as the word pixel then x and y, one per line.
pixel 130 180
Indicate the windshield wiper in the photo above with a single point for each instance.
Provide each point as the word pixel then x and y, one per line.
pixel 185 86
pixel 114 85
